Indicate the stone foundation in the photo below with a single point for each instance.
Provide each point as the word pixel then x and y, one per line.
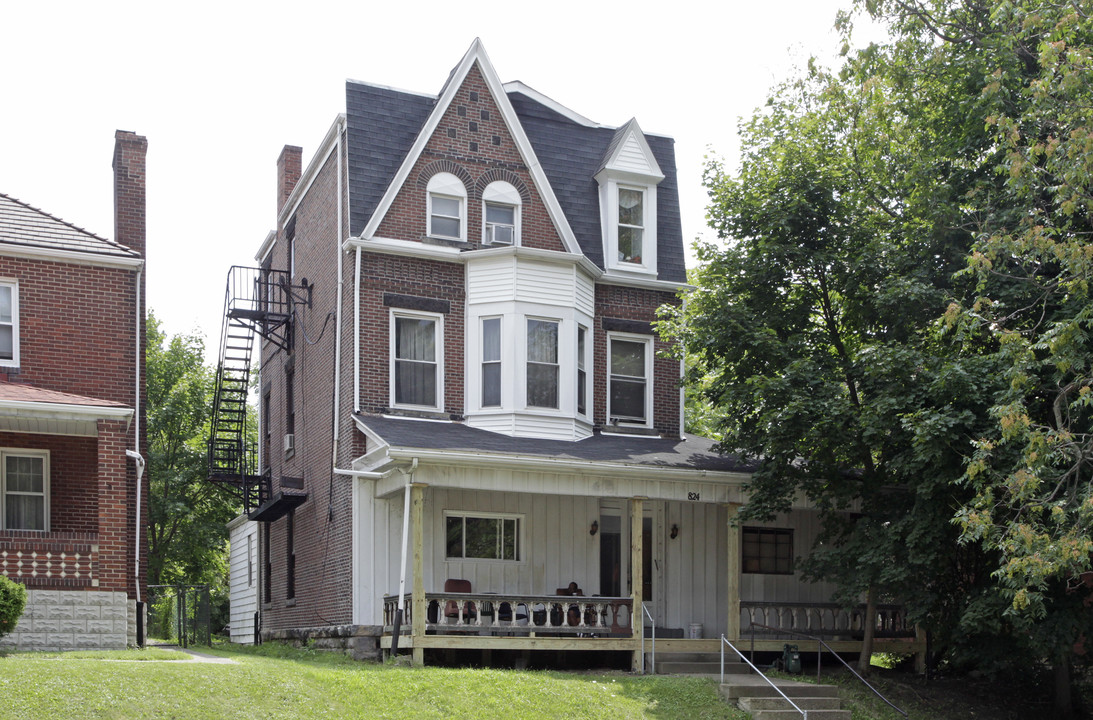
pixel 360 642
pixel 56 620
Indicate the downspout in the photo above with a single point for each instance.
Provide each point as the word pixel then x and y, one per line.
pixel 357 336
pixel 135 454
pixel 402 577
pixel 338 312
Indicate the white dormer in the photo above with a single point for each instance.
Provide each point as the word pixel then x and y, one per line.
pixel 628 181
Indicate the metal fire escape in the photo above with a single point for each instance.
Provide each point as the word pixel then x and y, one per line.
pixel 257 302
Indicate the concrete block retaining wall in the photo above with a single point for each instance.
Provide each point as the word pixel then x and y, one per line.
pixel 74 620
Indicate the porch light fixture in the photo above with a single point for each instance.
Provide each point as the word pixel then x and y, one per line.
pixel 595 527
pixel 675 532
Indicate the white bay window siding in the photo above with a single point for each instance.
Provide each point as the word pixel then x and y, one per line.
pixel 416 362
pixel 630 379
pixel 523 316
pixel 24 490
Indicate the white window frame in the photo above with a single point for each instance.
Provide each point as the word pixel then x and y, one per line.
pixel 5 453
pixel 647 341
pixel 499 361
pixel 521 532
pixel 447 186
pixel 609 203
pixel 438 339
pixel 13 361
pixel 619 189
pixel 501 193
pixel 557 363
pixel 584 364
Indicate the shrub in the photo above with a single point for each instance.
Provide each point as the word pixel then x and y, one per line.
pixel 13 598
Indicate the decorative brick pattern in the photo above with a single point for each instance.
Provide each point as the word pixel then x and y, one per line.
pixel 49 559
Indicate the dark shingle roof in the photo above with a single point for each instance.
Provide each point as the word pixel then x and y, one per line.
pixel 24 225
pixel 693 453
pixel 383 123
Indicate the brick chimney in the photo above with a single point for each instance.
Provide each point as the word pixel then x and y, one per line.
pixel 129 190
pixel 289 168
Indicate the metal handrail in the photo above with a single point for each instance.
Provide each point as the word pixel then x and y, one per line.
pixel 724 642
pixel 653 625
pixel 818 652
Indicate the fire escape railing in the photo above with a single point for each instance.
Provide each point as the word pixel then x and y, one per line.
pixel 257 302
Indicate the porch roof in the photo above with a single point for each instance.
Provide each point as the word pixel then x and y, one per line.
pixel 28 408
pixel 687 453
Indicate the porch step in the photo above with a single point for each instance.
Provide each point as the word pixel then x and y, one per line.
pixel 699 667
pixel 756 704
pixel 737 687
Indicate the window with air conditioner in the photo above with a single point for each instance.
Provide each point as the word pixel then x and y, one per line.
pixel 500 214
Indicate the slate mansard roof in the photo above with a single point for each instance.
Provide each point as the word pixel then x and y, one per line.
pixel 26 226
pixel 382 124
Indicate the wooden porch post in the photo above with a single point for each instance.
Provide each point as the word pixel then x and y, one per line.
pixel 637 616
pixel 418 608
pixel 733 552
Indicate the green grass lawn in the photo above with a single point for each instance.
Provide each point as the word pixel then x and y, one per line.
pixel 278 682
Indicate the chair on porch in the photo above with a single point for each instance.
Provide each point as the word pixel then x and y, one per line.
pixel 573 614
pixel 451 609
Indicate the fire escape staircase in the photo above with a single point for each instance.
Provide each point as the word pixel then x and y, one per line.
pixel 257 302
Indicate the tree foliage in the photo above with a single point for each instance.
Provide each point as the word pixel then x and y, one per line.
pixel 895 320
pixel 187 535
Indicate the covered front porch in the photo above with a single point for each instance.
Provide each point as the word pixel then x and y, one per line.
pixel 635 543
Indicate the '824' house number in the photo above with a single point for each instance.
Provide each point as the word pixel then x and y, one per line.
pixel 692 496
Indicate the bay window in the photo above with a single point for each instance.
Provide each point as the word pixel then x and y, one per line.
pixel 491 362
pixel 542 363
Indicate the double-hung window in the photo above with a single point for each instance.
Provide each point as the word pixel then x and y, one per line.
pixel 582 375
pixel 631 224
pixel 629 396
pixel 415 365
pixel 24 490
pixel 542 363
pixel 491 362
pixel 447 207
pixel 483 536
pixel 500 214
pixel 9 323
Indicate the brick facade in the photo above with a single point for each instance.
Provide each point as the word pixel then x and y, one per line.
pixel 82 332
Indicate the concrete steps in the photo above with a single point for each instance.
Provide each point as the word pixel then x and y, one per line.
pixel 753 695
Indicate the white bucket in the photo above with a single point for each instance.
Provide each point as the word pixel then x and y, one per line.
pixel 696 631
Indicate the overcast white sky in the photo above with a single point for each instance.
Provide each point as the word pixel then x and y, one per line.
pixel 219 87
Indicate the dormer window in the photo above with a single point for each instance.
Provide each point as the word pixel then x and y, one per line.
pixel 500 214
pixel 628 182
pixel 447 207
pixel 631 224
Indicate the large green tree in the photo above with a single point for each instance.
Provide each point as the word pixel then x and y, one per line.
pixel 187 535
pixel 963 141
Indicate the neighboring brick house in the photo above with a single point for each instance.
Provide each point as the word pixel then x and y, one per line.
pixel 462 391
pixel 72 415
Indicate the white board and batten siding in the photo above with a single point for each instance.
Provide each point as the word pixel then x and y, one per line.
pixel 243 578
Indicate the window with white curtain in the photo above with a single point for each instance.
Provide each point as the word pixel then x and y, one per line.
pixel 9 323
pixel 24 490
pixel 415 355
pixel 491 362
pixel 542 363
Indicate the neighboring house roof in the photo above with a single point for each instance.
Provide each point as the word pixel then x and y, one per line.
pixel 689 453
pixel 382 124
pixel 26 408
pixel 26 226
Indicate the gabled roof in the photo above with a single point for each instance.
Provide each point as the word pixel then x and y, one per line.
pixel 26 226
pixel 383 125
pixel 690 453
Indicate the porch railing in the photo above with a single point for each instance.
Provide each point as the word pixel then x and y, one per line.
pixel 829 620
pixel 503 613
pixel 50 559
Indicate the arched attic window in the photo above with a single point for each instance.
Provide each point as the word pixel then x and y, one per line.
pixel 500 214
pixel 447 207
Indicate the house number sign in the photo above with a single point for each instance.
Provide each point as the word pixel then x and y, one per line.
pixel 692 496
